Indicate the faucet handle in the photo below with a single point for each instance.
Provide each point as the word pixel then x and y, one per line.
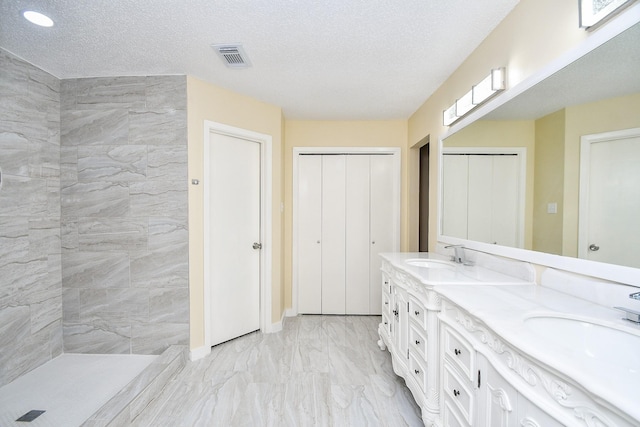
pixel 635 295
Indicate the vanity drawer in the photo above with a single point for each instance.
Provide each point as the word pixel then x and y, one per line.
pixel 417 369
pixel 457 391
pixel 459 351
pixel 386 285
pixel 418 340
pixel 417 312
pixel 386 303
pixel 451 417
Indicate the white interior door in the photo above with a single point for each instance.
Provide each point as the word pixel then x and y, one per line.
pixel 610 198
pixel 234 264
pixel 333 234
pixel 309 234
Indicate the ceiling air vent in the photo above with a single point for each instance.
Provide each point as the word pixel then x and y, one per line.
pixel 232 55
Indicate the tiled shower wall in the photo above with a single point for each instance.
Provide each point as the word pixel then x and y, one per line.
pixel 30 287
pixel 124 214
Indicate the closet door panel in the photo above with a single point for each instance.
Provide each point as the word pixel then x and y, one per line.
pixel 480 209
pixel 505 201
pixel 309 232
pixel 381 238
pixel 333 234
pixel 455 183
pixel 357 234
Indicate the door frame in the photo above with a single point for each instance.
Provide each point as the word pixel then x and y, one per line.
pixel 297 151
pixel 584 184
pixel 266 253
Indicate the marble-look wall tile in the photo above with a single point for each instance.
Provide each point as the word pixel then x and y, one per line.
pixel 98 338
pixel 112 234
pixel 154 338
pixel 95 199
pixel 30 261
pixel 124 212
pixel 112 163
pixel 95 270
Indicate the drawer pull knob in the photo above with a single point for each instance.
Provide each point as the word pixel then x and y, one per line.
pixel 386 323
pixel 457 352
pixel 416 371
pixel 456 393
pixel 386 303
pixel 417 313
pixel 417 342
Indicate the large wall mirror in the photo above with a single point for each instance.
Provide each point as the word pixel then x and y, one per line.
pixel 525 157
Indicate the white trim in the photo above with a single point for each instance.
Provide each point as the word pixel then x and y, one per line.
pixel 265 142
pixel 611 272
pixel 199 353
pixel 521 152
pixel 585 166
pixel 297 151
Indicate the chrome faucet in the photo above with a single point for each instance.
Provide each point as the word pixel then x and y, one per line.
pixel 458 254
pixel 631 315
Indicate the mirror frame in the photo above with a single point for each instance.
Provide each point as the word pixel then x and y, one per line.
pixel 605 271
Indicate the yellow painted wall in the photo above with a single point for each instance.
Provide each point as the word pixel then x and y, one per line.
pixel 507 133
pixel 532 35
pixel 209 102
pixel 596 117
pixel 549 183
pixel 298 133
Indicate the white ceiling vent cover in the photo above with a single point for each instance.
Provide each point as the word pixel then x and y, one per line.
pixel 233 55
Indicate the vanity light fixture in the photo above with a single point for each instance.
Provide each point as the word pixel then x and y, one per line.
pixel 37 18
pixel 488 87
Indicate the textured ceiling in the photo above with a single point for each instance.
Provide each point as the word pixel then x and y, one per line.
pixel 322 60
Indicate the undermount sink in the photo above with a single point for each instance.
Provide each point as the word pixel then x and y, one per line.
pixel 429 263
pixel 597 341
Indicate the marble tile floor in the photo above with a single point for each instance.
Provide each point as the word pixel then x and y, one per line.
pixel 70 388
pixel 318 371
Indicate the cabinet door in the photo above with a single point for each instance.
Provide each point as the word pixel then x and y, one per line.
pixel 401 323
pixel 333 234
pixel 357 237
pixel 309 234
pixel 382 222
pixel 497 399
pixel 529 415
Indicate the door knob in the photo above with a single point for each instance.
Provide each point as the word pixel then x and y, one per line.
pixel 593 247
pixel 257 245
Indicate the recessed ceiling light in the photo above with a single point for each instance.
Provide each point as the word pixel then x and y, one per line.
pixel 37 18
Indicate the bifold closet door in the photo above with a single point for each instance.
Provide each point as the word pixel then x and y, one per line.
pixel 357 242
pixel 382 181
pixel 309 234
pixel 333 234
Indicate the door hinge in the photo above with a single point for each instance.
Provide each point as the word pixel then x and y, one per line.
pixel 478 378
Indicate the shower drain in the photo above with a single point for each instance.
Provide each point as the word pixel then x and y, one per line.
pixel 31 415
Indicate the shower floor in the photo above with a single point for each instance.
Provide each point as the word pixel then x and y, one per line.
pixel 70 388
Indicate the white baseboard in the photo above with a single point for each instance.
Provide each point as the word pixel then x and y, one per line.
pixel 290 312
pixel 275 327
pixel 199 353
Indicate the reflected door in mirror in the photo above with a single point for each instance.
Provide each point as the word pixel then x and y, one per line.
pixel 480 197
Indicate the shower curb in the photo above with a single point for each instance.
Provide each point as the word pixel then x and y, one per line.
pixel 125 406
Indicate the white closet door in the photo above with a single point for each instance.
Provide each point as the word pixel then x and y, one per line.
pixel 480 212
pixel 309 234
pixel 382 223
pixel 505 218
pixel 333 234
pixel 455 177
pixel 357 235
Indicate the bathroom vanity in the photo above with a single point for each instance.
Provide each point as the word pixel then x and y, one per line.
pixel 483 345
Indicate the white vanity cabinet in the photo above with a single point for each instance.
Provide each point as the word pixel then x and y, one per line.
pixel 487 382
pixel 409 329
pixel 474 393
